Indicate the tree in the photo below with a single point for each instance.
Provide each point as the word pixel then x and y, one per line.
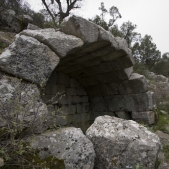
pixel 115 14
pixel 103 10
pixel 19 6
pixel 128 33
pixel 100 20
pixel 146 52
pixel 58 10
pixel 116 31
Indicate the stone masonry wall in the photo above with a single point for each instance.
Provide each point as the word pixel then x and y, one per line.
pixel 87 64
pixel 70 101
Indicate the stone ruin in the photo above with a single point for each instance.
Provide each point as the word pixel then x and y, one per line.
pixel 88 64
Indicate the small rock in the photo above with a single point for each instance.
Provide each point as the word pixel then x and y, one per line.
pixel 1 162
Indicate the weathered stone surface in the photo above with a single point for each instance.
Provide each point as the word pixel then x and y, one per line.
pixel 26 19
pixel 115 76
pixel 29 59
pixel 59 42
pixel 99 90
pixel 69 144
pixel 122 144
pixel 135 84
pixel 79 27
pixel 89 32
pixel 99 104
pixel 20 102
pixel 146 117
pixel 134 102
pixel 32 27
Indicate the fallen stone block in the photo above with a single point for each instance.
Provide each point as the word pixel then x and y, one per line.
pixel 68 144
pixel 146 117
pixel 123 144
pixel 29 59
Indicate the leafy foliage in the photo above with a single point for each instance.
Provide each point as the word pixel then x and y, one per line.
pixel 100 20
pixel 146 51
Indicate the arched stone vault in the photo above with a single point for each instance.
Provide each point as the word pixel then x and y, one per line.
pixel 89 64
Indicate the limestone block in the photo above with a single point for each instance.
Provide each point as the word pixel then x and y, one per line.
pixel 86 117
pixel 136 84
pixel 82 108
pixel 57 120
pixel 93 91
pixel 134 102
pixel 114 76
pixel 73 99
pixel 81 92
pixel 73 68
pixel 81 28
pixel 68 109
pixel 92 62
pixel 54 89
pixel 99 90
pixel 88 81
pixel 99 104
pixel 146 117
pixel 74 83
pixel 76 152
pixel 29 59
pixel 59 42
pixel 78 74
pixel 84 99
pixel 78 118
pixel 70 91
pixel 121 144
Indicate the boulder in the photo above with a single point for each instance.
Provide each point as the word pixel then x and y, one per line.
pixel 29 59
pixel 21 105
pixel 26 19
pixel 59 42
pixel 9 22
pixel 123 144
pixel 135 84
pixel 69 144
